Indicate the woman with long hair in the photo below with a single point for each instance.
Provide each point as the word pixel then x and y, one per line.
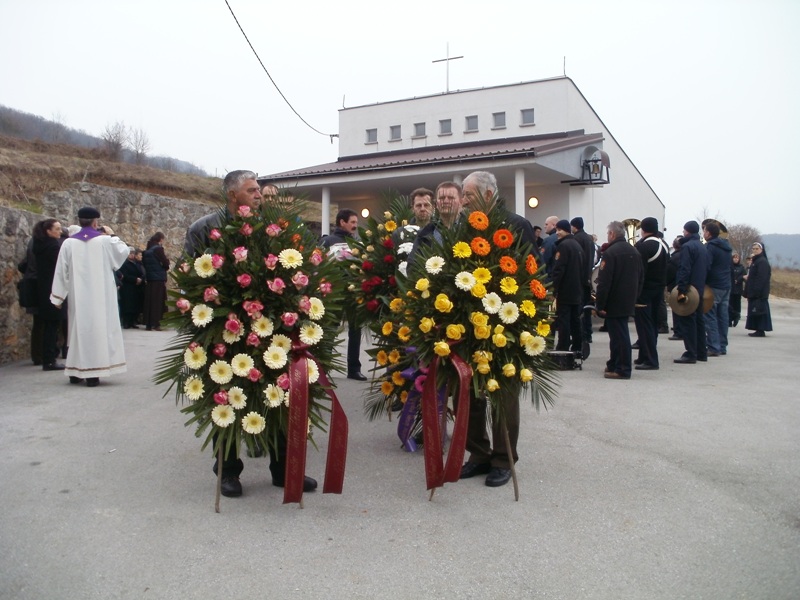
pixel 156 266
pixel 756 291
pixel 46 244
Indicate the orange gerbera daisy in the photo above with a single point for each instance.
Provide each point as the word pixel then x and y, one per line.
pixel 508 265
pixel 480 246
pixel 478 220
pixel 503 238
pixel 530 264
pixel 538 289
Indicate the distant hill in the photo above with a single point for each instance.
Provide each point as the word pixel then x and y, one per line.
pixel 783 250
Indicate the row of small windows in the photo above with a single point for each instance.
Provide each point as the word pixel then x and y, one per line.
pixel 446 126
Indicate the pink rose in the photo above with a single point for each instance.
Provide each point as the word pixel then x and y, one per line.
pixel 240 254
pixel 273 230
pixel 304 305
pixel 221 397
pixel 246 229
pixel 317 257
pixel 244 211
pixel 325 287
pixel 419 382
pixel 276 285
pixel 271 261
pixel 220 350
pixel 283 381
pixel 186 267
pixel 252 307
pixel 254 375
pixel 232 324
pixel 252 339
pixel 244 280
pixel 210 294
pixel 289 318
pixel 217 261
pixel 194 346
pixel 214 234
pixel 183 305
pixel 300 280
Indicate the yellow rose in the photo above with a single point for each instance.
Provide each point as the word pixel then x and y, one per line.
pixel 454 332
pixel 482 332
pixel 499 329
pixel 462 250
pixel 387 328
pixel 441 348
pixel 524 337
pixel 481 356
pixel 404 333
pixel 443 304
pixel 499 340
pixel 426 324
pixel 370 248
pixel 528 308
pixel 482 275
pixel 422 284
pixel 509 370
pixel 483 368
pixel 525 375
pixel 492 385
pixel 426 294
pixel 543 329
pixel 387 215
pixel 478 290
pixel 478 318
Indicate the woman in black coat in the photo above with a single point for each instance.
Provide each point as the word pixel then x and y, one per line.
pixel 46 244
pixel 757 293
pixel 156 266
pixel 737 287
pixel 131 276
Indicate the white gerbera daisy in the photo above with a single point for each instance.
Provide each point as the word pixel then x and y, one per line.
pixel 223 415
pixel 434 265
pixel 195 358
pixel 534 346
pixel 202 315
pixel 290 258
pixel 275 357
pixel 263 327
pixel 509 313
pixel 204 266
pixel 237 398
pixel 241 364
pixel 492 303
pixel 273 395
pixel 220 372
pixel 310 333
pixel 313 372
pixel 465 281
pixel 282 341
pixel 317 309
pixel 253 423
pixel 193 388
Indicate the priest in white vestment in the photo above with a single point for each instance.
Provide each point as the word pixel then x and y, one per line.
pixel 85 275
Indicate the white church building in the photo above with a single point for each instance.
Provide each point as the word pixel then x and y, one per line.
pixel 550 151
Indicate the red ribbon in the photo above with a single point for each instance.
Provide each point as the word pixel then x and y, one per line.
pixel 437 472
pixel 297 431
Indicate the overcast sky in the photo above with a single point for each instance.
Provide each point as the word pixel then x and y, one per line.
pixel 702 95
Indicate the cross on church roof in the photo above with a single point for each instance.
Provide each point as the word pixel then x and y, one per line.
pixel 447 61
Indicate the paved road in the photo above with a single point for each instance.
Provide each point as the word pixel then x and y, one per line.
pixel 681 483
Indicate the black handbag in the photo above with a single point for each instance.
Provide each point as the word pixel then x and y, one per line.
pixel 28 293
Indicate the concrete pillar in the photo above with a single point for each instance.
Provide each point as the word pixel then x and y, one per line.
pixel 519 191
pixel 326 210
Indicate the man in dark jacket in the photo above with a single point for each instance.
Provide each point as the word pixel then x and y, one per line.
pixel 549 245
pixel 654 253
pixel 569 273
pixel 737 288
pixel 672 276
pixel 719 280
pixel 692 271
pixel 619 283
pixel 586 243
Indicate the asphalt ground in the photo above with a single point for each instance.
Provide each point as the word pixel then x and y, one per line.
pixel 680 483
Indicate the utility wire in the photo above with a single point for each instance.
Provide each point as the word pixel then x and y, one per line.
pixel 289 104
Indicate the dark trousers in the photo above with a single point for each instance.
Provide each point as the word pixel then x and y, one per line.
pixel 478 443
pixel 50 341
pixel 586 315
pixel 353 349
pixel 735 309
pixel 233 466
pixel 661 312
pixel 619 344
pixel 646 319
pixel 693 331
pixel 568 323
pixel 37 337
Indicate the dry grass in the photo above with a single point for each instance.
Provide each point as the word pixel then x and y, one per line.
pixel 28 170
pixel 785 283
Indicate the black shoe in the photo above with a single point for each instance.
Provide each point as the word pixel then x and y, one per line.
pixel 645 367
pixel 663 329
pixel 685 360
pixel 73 379
pixel 615 375
pixel 470 469
pixel 64 351
pixel 635 345
pixel 603 328
pixel 712 353
pixel 702 358
pixel 309 484
pixel 735 323
pixel 133 327
pixel 757 334
pixel 92 381
pixel 52 367
pixel 357 376
pixel 231 487
pixel 638 361
pixel 498 477
pixel 674 337
pixel 37 363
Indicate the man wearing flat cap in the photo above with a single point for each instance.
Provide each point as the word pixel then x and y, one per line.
pixel 569 272
pixel 692 271
pixel 655 255
pixel 85 274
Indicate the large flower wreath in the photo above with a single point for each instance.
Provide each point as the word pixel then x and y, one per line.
pixel 477 314
pixel 257 316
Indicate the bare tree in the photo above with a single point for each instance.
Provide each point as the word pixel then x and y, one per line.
pixel 58 128
pixel 741 238
pixel 140 144
pixel 115 138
